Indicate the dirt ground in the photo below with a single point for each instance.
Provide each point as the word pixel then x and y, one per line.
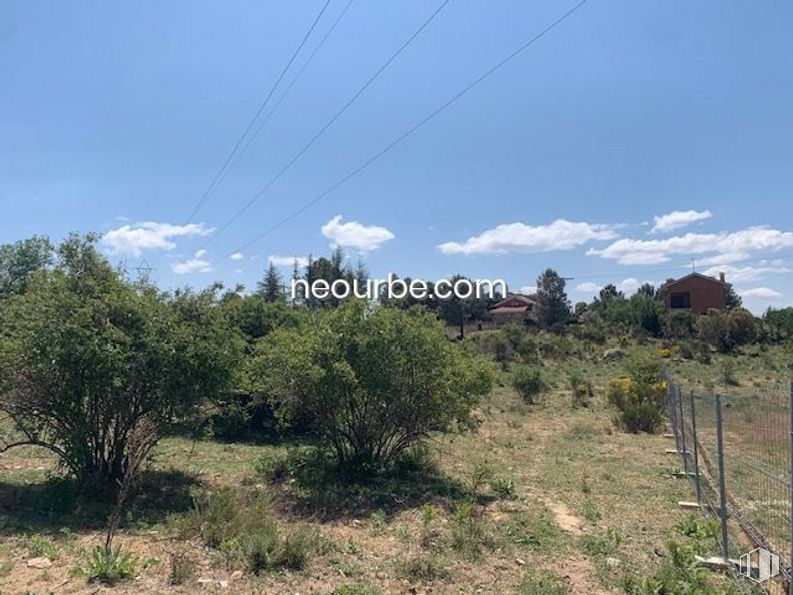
pixel 560 493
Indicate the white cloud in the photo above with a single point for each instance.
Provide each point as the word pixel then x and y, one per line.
pixel 528 289
pixel 355 235
pixel 740 274
pixel 284 261
pixel 197 264
pixel 132 240
pixel 678 219
pixel 587 287
pixel 746 241
pixel 237 256
pixel 760 293
pixel 519 237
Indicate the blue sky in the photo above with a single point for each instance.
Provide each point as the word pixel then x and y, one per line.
pixel 114 119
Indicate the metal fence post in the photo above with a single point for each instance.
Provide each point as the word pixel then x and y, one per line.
pixel 682 431
pixel 673 406
pixel 790 451
pixel 722 489
pixel 696 448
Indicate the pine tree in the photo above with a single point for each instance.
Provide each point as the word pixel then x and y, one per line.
pixel 271 287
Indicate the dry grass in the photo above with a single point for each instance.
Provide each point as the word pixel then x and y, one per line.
pixel 540 490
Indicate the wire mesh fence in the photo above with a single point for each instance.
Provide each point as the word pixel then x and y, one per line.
pixel 737 450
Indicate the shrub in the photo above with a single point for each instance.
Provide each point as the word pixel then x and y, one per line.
pixel 727 330
pixel 84 356
pixel 467 534
pixel 422 568
pixel 110 566
pixel 639 398
pixel 728 374
pixel 679 325
pixel 241 527
pixel 182 569
pixel 373 383
pixel 582 390
pixel 529 383
pixel 504 488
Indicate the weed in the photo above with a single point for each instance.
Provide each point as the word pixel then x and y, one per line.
pixel 427 533
pixel 543 584
pixel 467 535
pixel 537 532
pixel 591 512
pixel 182 569
pixel 41 547
pixel 378 520
pixel 422 568
pixel 601 545
pixel 504 488
pixel 110 566
pixel 356 590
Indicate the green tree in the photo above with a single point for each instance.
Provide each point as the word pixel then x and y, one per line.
pixel 85 358
pixel 553 307
pixel 373 383
pixel 731 299
pixel 457 311
pixel 19 261
pixel 271 288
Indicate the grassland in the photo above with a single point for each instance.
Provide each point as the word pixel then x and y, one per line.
pixel 544 498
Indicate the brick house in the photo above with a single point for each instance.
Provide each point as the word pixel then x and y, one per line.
pixel 516 308
pixel 695 293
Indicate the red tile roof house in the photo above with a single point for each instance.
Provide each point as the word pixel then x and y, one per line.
pixel 695 293
pixel 516 308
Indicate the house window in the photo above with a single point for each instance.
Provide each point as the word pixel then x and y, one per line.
pixel 680 300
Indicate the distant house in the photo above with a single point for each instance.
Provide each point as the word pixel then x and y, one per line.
pixel 695 293
pixel 516 308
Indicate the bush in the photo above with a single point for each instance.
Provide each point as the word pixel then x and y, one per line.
pixel 241 527
pixel 727 330
pixel 373 383
pixel 582 390
pixel 679 325
pixel 85 356
pixel 529 383
pixel 640 398
pixel 182 569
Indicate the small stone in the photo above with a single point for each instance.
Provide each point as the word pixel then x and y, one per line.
pixel 520 562
pixel 40 563
pixel 613 562
pixel 205 581
pixel 223 584
pixel 237 574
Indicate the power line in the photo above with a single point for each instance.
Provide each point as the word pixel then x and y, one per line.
pixel 413 128
pixel 234 152
pixel 325 127
pixel 300 72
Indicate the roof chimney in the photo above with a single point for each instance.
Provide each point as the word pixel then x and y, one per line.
pixel 721 276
